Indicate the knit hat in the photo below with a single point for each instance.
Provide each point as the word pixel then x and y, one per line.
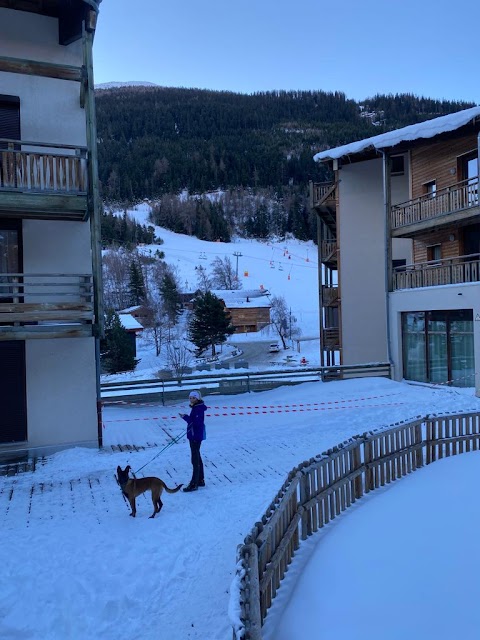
pixel 195 394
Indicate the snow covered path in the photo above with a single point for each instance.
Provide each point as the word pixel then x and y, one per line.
pixel 76 566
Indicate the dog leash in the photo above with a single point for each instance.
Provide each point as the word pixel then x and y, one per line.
pixel 175 440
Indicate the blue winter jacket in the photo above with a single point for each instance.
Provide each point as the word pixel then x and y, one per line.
pixel 196 422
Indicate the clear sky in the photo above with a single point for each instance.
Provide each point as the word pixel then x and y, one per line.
pixel 425 47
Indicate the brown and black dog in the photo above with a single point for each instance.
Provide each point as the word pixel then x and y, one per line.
pixel 133 487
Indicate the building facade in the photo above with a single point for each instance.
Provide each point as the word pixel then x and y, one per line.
pixel 50 277
pixel 399 244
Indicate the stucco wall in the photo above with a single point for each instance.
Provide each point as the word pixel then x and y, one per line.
pixel 56 247
pixel 61 391
pixel 462 296
pixel 361 232
pixel 49 109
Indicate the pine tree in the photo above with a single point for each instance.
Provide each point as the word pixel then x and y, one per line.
pixel 117 348
pixel 209 324
pixel 170 297
pixel 136 284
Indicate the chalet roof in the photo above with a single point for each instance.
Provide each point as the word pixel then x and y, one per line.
pixel 241 298
pixel 129 323
pixel 136 307
pixel 428 129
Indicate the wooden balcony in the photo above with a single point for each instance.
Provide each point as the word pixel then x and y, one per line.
pixel 329 252
pixel 456 203
pixel 43 180
pixel 459 270
pixel 331 339
pixel 330 296
pixel 45 306
pixel 323 198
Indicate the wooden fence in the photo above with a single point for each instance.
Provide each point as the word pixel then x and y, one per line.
pixel 319 489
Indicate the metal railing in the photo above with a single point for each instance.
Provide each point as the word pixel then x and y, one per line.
pixel 41 167
pixel 233 383
pixel 318 490
pixel 462 195
pixel 458 270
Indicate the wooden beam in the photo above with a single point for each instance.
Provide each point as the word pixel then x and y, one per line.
pixel 54 316
pixel 44 69
pixel 36 205
pixel 17 307
pixel 53 331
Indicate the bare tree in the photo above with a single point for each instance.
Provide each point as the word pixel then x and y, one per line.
pixel 156 322
pixel 116 272
pixel 223 274
pixel 203 279
pixel 179 357
pixel 282 320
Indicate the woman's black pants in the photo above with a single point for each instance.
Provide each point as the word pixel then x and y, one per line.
pixel 197 463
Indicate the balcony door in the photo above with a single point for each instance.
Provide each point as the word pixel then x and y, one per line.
pixel 13 417
pixel 469 173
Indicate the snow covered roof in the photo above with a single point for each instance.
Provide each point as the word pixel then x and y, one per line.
pixel 137 307
pixel 427 129
pixel 243 298
pixel 129 323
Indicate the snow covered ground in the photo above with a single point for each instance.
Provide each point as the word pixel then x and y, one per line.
pixel 76 566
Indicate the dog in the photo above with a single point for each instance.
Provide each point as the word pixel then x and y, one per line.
pixel 134 487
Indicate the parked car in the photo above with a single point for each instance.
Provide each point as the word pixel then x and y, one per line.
pixel 274 347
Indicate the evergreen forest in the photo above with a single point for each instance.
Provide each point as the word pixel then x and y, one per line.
pixel 158 143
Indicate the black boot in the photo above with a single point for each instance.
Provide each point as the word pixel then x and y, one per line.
pixel 190 487
pixel 201 483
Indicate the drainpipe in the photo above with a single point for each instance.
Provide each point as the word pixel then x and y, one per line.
pixel 387 200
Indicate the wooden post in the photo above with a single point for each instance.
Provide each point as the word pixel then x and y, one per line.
pixel 304 498
pixel 94 203
pixel 368 457
pixel 357 463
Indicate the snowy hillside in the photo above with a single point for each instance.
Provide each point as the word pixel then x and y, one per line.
pixel 130 83
pixel 284 268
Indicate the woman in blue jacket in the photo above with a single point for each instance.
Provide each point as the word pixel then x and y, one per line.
pixel 195 434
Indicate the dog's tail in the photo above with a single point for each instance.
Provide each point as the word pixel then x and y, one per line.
pixel 172 490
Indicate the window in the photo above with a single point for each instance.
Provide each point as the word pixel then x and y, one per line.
pixel 397 167
pixel 9 119
pixel 438 347
pixel 434 252
pixel 430 188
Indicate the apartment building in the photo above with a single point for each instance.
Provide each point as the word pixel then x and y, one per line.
pixel 50 288
pixel 399 244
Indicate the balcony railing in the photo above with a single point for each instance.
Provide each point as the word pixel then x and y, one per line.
pixel 458 197
pixel 331 338
pixel 329 296
pixel 34 167
pixel 461 269
pixel 329 251
pixel 323 193
pixel 39 305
